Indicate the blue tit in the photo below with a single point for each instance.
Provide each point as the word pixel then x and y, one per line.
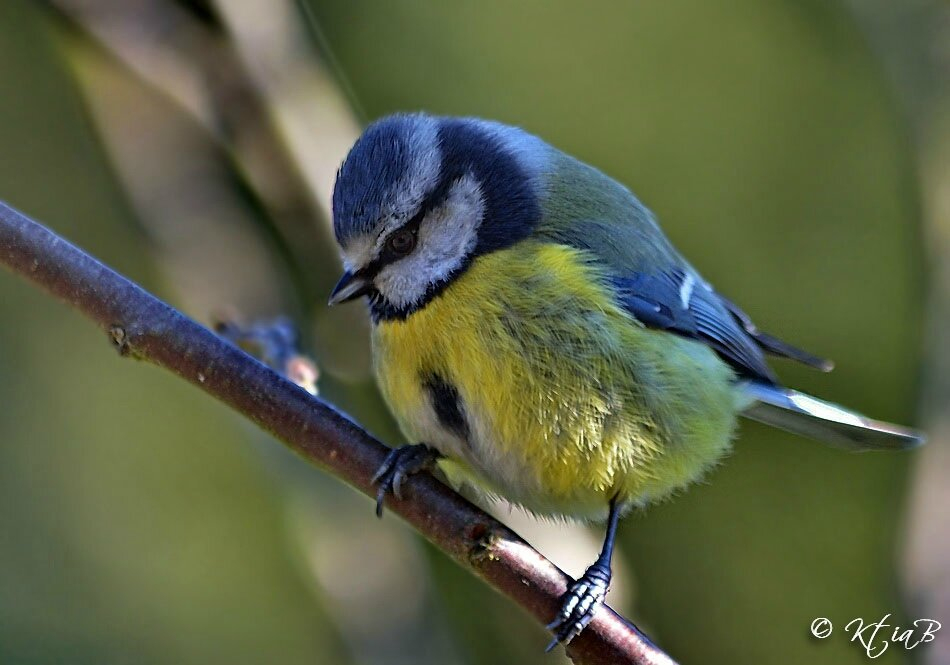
pixel 542 340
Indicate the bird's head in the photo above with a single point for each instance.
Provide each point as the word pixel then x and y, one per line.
pixel 419 197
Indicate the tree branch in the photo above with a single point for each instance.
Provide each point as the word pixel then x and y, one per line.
pixel 144 327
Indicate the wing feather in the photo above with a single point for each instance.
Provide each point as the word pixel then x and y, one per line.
pixel 657 302
pixel 652 281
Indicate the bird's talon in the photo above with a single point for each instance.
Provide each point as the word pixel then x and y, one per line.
pixel 380 499
pixel 399 464
pixel 385 466
pixel 398 481
pixel 579 605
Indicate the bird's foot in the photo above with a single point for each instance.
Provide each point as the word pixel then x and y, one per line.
pixel 401 463
pixel 579 604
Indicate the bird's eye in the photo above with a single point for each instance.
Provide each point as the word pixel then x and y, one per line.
pixel 402 241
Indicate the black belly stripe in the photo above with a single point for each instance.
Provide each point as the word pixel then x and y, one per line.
pixel 447 405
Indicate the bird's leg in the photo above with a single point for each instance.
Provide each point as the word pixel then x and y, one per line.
pixel 586 594
pixel 399 464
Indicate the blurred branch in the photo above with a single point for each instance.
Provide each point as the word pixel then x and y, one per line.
pixel 306 106
pixel 269 106
pixel 275 344
pixel 143 327
pixel 912 40
pixel 198 67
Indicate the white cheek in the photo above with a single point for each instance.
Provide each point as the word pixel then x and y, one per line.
pixel 446 237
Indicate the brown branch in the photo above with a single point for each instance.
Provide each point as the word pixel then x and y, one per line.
pixel 144 327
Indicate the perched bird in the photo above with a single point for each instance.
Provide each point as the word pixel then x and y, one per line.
pixel 540 338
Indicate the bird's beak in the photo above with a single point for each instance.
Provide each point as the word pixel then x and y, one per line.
pixel 350 286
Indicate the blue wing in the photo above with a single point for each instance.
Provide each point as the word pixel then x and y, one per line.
pixel 680 302
pixel 651 279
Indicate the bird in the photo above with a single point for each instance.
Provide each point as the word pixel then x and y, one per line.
pixel 539 339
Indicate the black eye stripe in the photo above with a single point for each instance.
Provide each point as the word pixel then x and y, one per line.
pixel 412 225
pixel 387 256
pixel 436 198
pixel 402 241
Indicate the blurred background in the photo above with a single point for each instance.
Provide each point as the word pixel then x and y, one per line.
pixel 797 152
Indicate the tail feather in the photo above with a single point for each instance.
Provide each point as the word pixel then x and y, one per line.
pixel 826 422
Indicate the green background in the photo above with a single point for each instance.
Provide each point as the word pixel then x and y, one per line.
pixel 142 522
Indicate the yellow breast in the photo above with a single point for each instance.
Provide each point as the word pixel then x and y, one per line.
pixel 565 400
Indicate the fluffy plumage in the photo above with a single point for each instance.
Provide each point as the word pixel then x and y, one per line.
pixel 535 326
pixel 586 357
pixel 568 401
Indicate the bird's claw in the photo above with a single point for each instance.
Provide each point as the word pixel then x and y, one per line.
pixel 399 464
pixel 579 604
